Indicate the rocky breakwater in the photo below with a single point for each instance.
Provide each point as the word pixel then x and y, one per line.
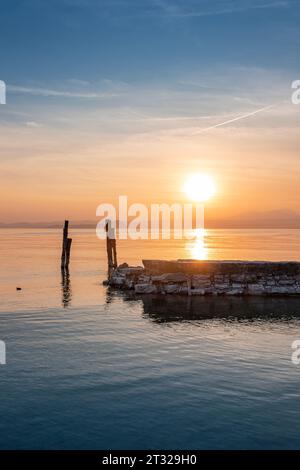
pixel 191 277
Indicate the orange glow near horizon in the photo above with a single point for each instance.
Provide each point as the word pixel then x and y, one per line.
pixel 46 177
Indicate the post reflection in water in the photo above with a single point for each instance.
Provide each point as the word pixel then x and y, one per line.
pixel 66 290
pixel 197 248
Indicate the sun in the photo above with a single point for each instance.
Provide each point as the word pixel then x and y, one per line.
pixel 199 187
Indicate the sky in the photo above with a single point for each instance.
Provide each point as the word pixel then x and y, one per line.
pixel 130 97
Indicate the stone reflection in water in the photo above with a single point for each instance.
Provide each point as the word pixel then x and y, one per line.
pixel 162 309
pixel 197 308
pixel 66 291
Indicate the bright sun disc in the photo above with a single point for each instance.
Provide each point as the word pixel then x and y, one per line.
pixel 199 187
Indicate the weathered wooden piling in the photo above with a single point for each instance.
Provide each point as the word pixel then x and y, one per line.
pixel 114 250
pixel 66 247
pixel 66 287
pixel 111 248
pixel 68 252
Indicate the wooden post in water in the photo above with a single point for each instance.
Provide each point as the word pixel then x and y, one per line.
pixel 68 251
pixel 114 249
pixel 64 244
pixel 108 245
pixel 111 247
pixel 66 247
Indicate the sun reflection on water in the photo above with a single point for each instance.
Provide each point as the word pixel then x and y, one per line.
pixel 197 247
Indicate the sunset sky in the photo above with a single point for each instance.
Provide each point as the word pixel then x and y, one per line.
pixel 126 97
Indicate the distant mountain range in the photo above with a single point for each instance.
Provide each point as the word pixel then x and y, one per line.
pixel 51 224
pixel 270 219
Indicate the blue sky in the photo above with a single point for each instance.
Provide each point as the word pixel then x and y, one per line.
pixel 136 79
pixel 143 41
pixel 155 57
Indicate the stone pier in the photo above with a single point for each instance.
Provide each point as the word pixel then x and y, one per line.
pixel 191 277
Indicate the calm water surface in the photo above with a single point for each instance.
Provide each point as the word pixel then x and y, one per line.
pixel 88 368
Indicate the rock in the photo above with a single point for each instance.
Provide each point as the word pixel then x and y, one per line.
pixel 237 285
pixel 209 290
pixel 130 270
pixel 282 290
pixel 176 277
pixel 145 289
pixel 256 289
pixel 171 289
pixel 143 279
pixel 158 278
pixel 117 280
pixel 275 290
pixel 252 278
pixel 197 291
pixel 123 265
pixel 223 286
pixel 219 278
pixel 237 291
pixel 287 282
pixel 183 290
pixel 129 284
pixel 201 281
pixel 238 278
pixel 170 278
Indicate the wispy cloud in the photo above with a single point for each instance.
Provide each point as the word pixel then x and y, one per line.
pixel 58 93
pixel 180 11
pixel 33 124
pixel 173 8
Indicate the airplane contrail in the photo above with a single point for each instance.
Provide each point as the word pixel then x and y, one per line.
pixel 238 118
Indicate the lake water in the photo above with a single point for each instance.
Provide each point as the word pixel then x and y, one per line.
pixel 90 368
